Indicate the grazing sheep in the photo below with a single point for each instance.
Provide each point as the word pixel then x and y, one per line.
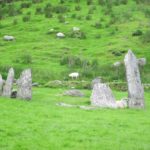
pixel 123 103
pixel 8 38
pixel 74 75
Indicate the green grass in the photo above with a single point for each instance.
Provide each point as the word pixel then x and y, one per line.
pixel 47 51
pixel 41 125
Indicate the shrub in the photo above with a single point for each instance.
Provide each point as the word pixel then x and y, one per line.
pixel 73 16
pixel 48 14
pixel 101 2
pixel 79 17
pixel 146 37
pixel 77 8
pixel 37 1
pixel 60 9
pixel 62 1
pixel 15 21
pixel 88 17
pixel 25 5
pixel 61 18
pixel 137 33
pixel 77 34
pixel 26 58
pixel 97 25
pixel 89 2
pixel 26 18
pixel 39 11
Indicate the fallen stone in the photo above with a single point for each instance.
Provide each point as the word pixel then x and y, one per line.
pixel 74 92
pixel 8 38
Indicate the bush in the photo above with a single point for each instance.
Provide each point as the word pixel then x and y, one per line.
pixel 89 2
pixel 26 58
pixel 97 25
pixel 48 14
pixel 25 5
pixel 37 1
pixel 26 18
pixel 101 2
pixel 15 21
pixel 137 33
pixel 38 11
pixel 88 17
pixel 77 8
pixel 73 16
pixel 146 37
pixel 61 18
pixel 77 34
pixel 60 9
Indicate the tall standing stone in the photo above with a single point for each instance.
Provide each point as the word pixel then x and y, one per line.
pixel 1 84
pixel 24 83
pixel 102 96
pixel 135 88
pixel 9 83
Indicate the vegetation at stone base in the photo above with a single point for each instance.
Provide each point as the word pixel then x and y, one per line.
pixel 107 30
pixel 40 124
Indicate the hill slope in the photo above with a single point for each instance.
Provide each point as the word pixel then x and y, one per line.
pixel 107 31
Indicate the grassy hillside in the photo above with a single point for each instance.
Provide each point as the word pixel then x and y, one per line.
pixel 106 33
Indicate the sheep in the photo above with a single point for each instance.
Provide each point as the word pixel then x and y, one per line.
pixel 8 38
pixel 74 75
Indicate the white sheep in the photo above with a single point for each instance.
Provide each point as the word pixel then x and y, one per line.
pixel 74 75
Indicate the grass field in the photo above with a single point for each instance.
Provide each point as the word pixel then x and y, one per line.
pixel 41 125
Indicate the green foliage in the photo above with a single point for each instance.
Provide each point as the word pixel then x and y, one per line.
pixel 26 18
pixel 61 18
pixel 137 33
pixel 89 2
pixel 77 8
pixel 38 11
pixel 25 5
pixel 146 37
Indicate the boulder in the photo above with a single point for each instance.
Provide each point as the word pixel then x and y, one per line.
pixel 135 88
pixel 102 96
pixel 74 92
pixel 24 85
pixel 75 29
pixel 8 38
pixel 7 90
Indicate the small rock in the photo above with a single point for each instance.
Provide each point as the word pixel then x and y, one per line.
pixel 117 64
pixel 60 35
pixel 74 92
pixel 141 61
pixel 35 84
pixel 75 29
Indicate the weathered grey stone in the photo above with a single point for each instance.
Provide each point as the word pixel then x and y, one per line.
pixel 1 84
pixel 7 90
pixel 135 88
pixel 74 92
pixel 102 96
pixel 24 83
pixel 95 81
pixel 60 35
pixel 117 64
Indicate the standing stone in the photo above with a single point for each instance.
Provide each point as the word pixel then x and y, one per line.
pixel 102 96
pixel 25 85
pixel 1 84
pixel 135 88
pixel 9 83
pixel 95 81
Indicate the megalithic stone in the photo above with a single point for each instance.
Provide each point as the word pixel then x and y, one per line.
pixel 135 88
pixel 9 83
pixel 102 96
pixel 24 83
pixel 1 84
